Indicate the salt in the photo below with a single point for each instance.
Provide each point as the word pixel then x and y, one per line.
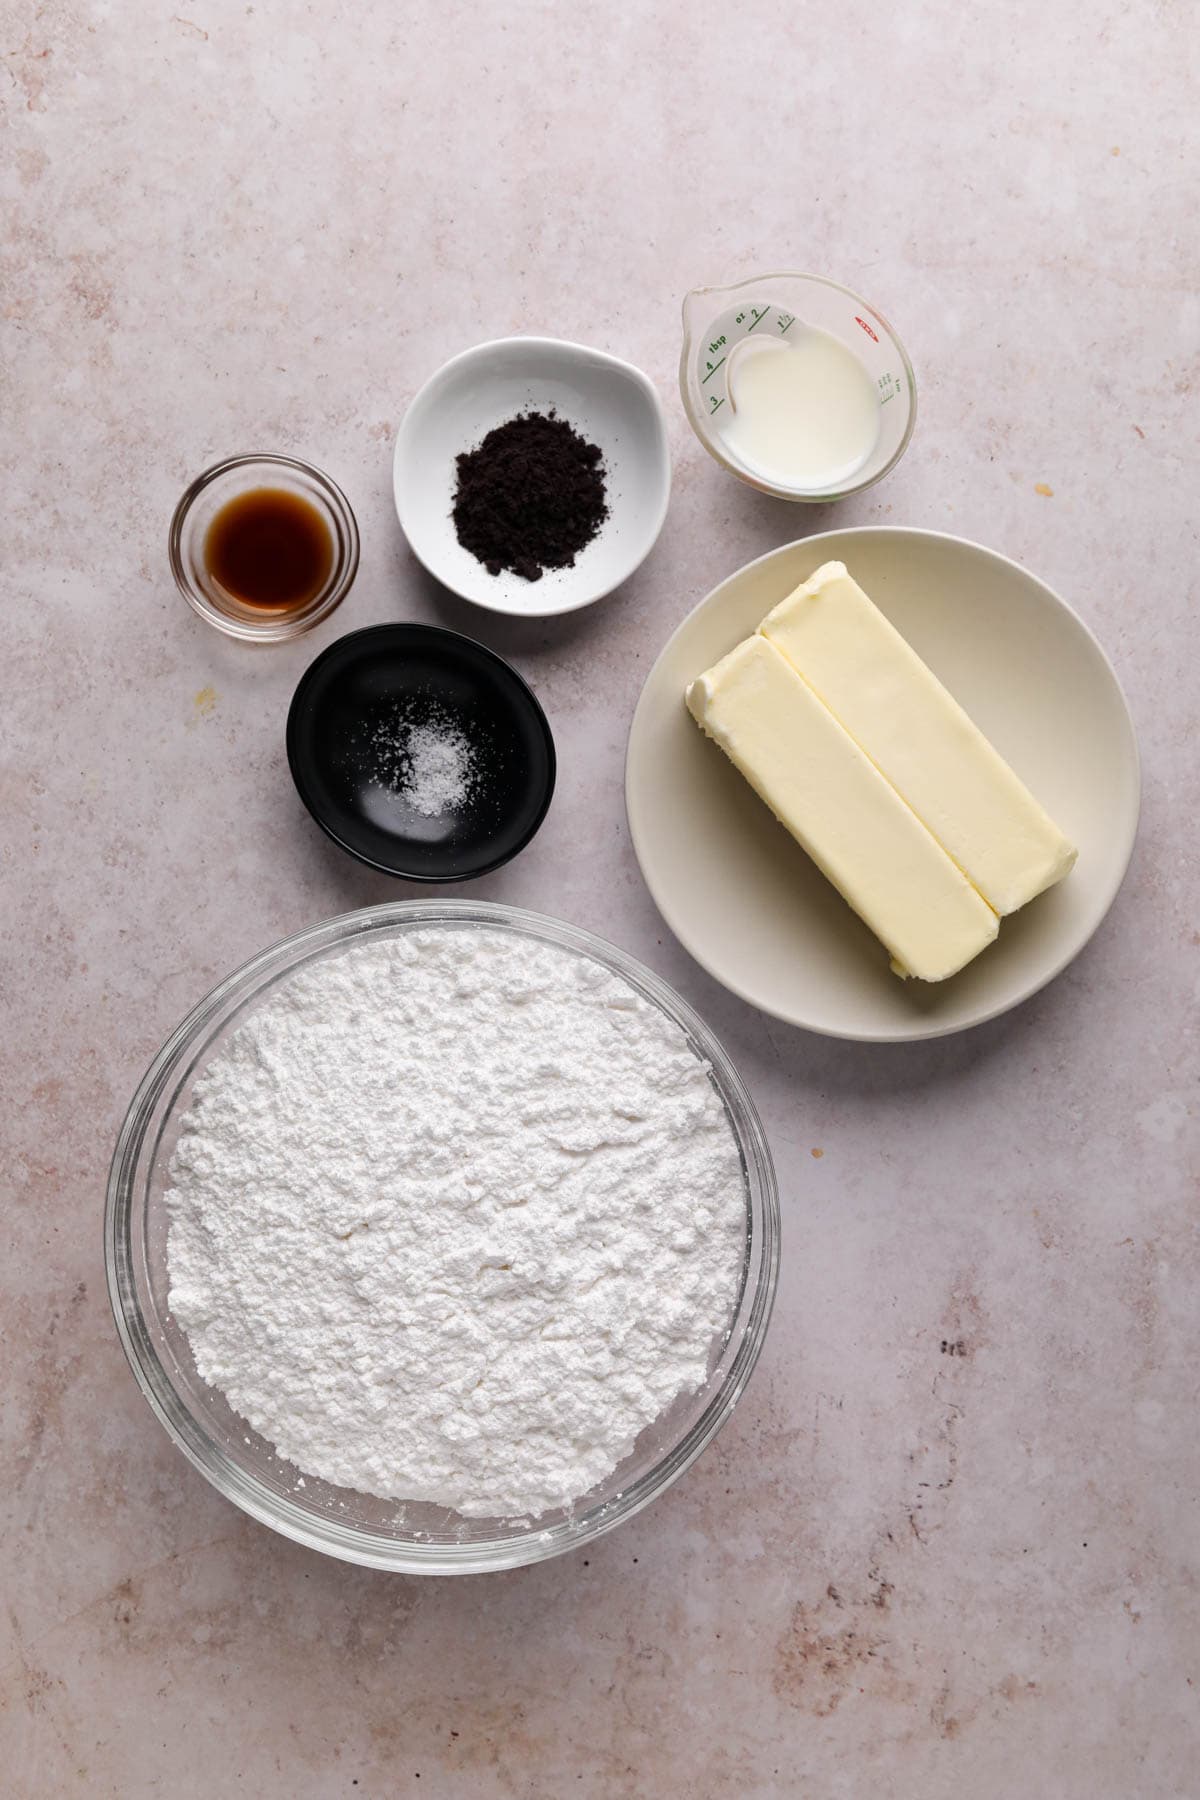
pixel 428 761
pixel 439 769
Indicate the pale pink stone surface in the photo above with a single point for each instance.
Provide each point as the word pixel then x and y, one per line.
pixel 947 1545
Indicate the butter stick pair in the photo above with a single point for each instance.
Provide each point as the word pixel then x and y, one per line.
pixel 876 770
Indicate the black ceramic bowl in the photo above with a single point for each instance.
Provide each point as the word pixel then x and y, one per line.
pixel 420 752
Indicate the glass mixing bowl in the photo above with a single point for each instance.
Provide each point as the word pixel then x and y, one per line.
pixel 390 1534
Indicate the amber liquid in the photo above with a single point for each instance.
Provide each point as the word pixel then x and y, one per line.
pixel 269 549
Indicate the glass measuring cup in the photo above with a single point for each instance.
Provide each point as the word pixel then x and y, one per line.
pixel 716 320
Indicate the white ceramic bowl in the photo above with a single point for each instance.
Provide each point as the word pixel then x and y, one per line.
pixel 747 902
pixel 608 401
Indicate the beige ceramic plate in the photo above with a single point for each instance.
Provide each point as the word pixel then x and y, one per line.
pixel 747 902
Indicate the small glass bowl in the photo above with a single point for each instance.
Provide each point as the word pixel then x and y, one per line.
pixel 419 1538
pixel 200 505
pixel 717 319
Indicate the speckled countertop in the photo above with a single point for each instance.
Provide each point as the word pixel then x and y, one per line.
pixel 947 1546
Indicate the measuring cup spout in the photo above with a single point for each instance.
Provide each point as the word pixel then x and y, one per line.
pixel 698 305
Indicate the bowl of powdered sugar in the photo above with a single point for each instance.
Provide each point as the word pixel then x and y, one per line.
pixel 442 1237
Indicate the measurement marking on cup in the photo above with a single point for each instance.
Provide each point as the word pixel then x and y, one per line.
pixel 713 404
pixel 758 318
pixel 785 322
pixel 712 369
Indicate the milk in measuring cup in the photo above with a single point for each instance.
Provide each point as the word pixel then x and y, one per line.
pixel 803 411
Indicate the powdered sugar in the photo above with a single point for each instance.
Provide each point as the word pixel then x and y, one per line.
pixel 453 1217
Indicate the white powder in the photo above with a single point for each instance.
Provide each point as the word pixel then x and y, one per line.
pixel 453 1217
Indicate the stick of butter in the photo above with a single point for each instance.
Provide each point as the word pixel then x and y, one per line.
pixel 919 737
pixel 836 804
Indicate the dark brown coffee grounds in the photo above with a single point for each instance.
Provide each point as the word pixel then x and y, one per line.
pixel 530 496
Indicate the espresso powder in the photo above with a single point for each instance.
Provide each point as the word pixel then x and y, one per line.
pixel 530 496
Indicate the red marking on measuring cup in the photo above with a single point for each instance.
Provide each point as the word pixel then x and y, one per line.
pixel 865 327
